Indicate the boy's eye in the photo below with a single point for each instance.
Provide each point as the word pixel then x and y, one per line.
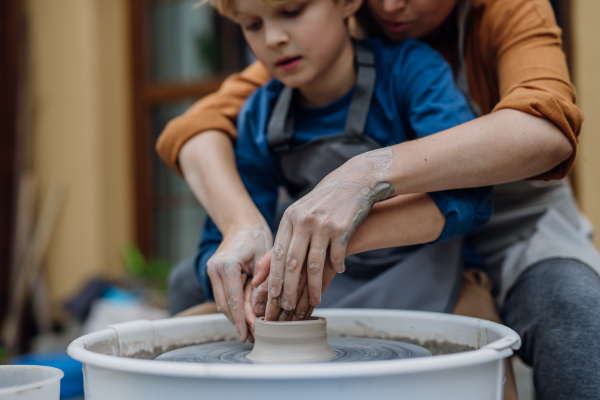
pixel 293 11
pixel 253 26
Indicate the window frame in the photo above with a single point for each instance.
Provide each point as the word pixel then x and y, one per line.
pixel 146 95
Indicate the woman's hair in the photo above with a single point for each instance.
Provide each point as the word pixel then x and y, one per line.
pixel 226 7
pixel 366 25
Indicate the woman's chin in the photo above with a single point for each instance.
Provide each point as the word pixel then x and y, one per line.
pixel 395 36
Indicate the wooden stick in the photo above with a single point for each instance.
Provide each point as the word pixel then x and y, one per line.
pixel 31 266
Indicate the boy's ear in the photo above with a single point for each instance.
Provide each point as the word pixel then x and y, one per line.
pixel 351 7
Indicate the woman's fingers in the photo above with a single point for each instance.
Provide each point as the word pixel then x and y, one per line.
pixel 302 306
pixel 293 267
pixel 328 275
pixel 314 268
pixel 280 250
pixel 273 309
pixel 337 255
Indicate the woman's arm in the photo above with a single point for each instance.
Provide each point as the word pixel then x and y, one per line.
pixel 501 147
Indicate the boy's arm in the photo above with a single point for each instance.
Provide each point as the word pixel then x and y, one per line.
pixel 221 269
pixel 399 221
pixel 198 145
pixel 208 164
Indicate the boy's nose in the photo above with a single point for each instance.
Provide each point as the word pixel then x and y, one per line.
pixel 275 36
pixel 391 6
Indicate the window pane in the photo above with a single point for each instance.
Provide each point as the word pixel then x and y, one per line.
pixel 188 43
pixel 184 44
pixel 178 217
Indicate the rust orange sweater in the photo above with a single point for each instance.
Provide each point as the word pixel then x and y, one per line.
pixel 514 60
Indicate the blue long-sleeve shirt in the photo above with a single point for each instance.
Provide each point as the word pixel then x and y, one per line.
pixel 414 97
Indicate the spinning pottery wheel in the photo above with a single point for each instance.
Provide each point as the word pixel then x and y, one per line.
pixel 299 341
pixel 124 361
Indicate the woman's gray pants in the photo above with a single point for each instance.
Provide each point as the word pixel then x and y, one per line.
pixel 554 306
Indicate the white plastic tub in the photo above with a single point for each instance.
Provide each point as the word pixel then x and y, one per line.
pixel 29 382
pixel 478 374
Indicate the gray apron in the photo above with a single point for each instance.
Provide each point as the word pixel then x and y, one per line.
pixel 422 277
pixel 532 221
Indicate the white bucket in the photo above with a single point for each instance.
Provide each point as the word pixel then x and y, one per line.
pixel 29 382
pixel 111 373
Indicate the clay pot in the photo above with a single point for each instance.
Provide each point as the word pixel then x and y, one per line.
pixel 291 341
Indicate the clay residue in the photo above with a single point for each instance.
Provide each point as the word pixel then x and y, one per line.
pixel 436 347
pixel 381 191
pixel 109 347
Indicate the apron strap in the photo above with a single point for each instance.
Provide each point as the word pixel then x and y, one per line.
pixel 280 129
pixel 363 92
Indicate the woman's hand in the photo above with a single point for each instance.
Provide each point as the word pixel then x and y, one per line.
pixel 302 309
pixel 235 258
pixel 322 222
pixel 400 221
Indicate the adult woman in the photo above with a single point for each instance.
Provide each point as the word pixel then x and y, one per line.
pixel 506 56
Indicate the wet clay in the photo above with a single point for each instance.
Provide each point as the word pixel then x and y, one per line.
pixel 291 341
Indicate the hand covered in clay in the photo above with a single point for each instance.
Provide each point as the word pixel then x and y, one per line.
pixel 302 309
pixel 322 223
pixel 237 256
pixel 252 297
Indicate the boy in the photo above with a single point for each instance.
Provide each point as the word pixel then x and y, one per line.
pixel 332 100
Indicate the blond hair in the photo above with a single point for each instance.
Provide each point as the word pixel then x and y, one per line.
pixel 226 7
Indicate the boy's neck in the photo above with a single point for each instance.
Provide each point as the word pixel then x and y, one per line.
pixel 332 84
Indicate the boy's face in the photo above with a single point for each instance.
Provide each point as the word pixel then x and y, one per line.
pixel 401 19
pixel 297 42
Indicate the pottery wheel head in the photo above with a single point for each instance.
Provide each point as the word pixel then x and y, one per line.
pixel 296 341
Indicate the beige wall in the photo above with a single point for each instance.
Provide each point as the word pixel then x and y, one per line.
pixel 81 133
pixel 586 71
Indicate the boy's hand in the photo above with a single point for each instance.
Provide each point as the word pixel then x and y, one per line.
pixel 237 255
pixel 251 294
pixel 323 221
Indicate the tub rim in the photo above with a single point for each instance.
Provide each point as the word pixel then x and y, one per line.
pixel 497 350
pixel 30 386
